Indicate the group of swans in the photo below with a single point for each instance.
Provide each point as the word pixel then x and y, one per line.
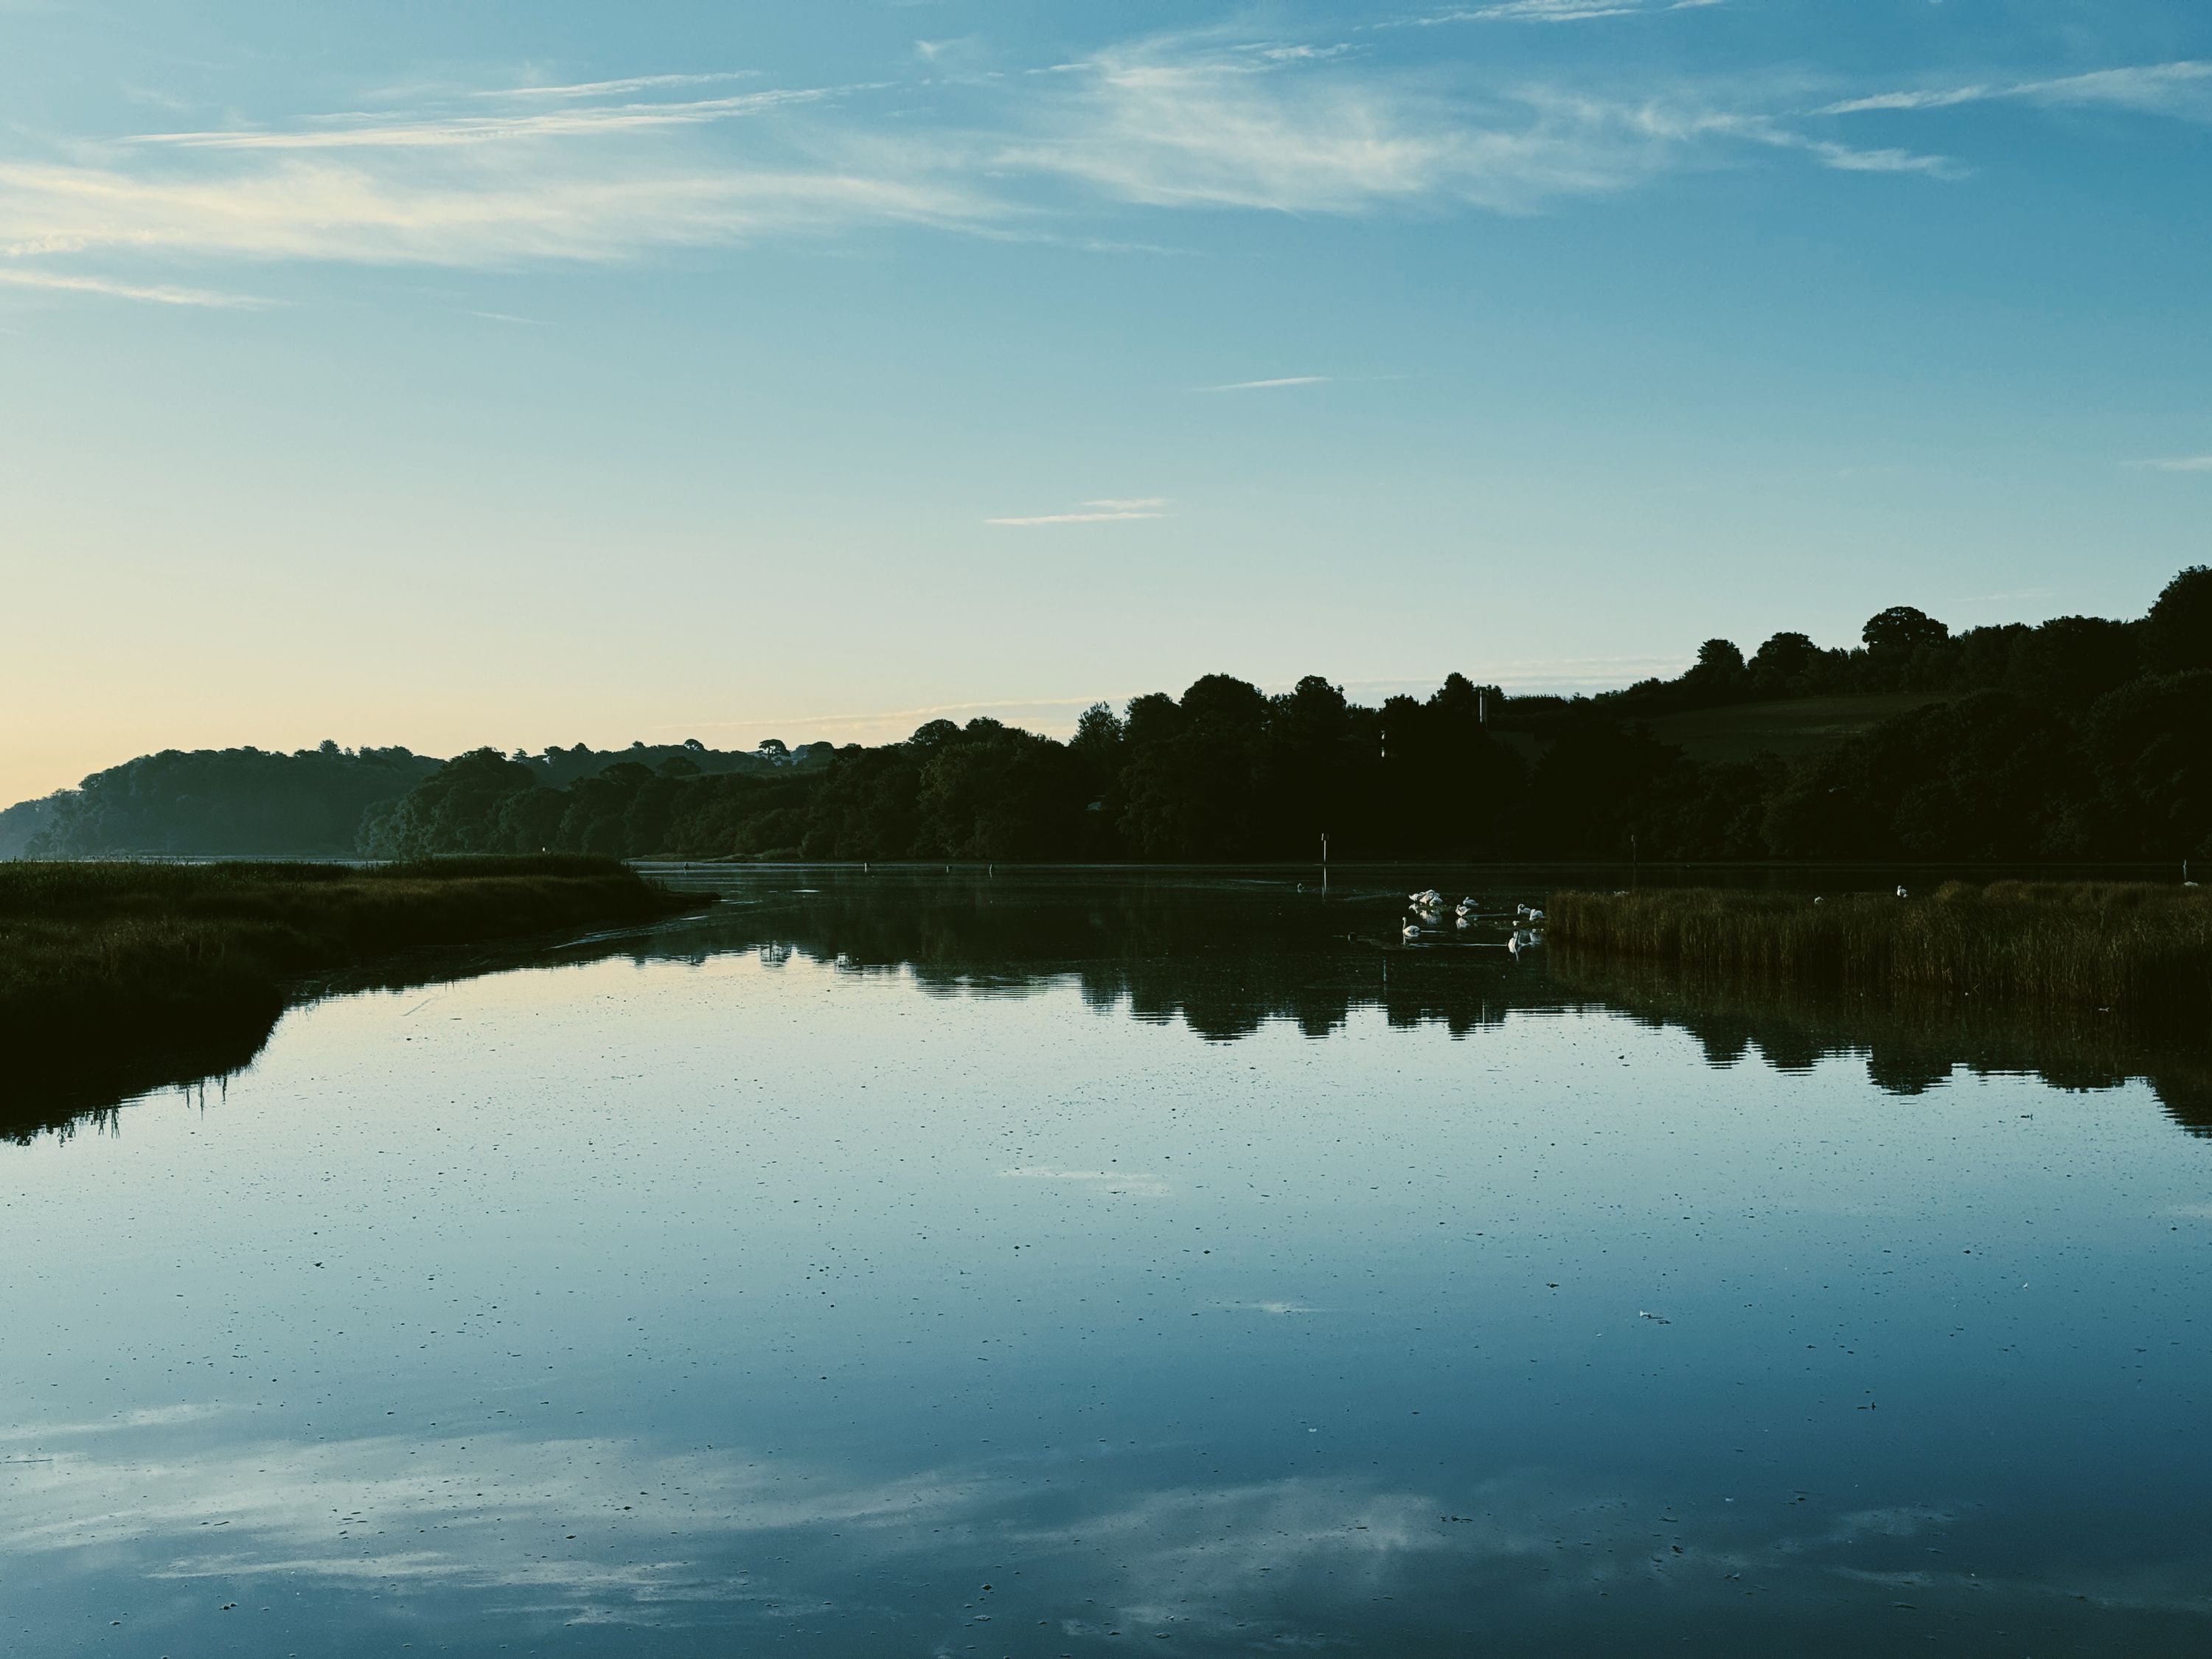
pixel 1428 917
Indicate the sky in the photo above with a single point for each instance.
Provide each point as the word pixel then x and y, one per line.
pixel 543 372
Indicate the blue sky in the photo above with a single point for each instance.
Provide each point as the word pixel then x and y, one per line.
pixel 541 373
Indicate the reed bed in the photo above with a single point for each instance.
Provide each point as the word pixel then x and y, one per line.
pixel 2132 950
pixel 100 962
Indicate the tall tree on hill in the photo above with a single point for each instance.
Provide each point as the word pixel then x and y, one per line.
pixel 2181 622
pixel 1777 665
pixel 1901 630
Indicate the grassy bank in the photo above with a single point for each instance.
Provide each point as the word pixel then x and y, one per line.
pixel 2137 951
pixel 115 978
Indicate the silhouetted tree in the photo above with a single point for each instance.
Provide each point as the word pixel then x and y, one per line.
pixel 1782 659
pixel 1900 630
pixel 2180 622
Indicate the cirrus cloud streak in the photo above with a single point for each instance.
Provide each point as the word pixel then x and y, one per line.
pixel 1112 511
pixel 614 170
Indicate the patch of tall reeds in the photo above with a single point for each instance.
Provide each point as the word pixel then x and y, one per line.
pixel 122 976
pixel 2136 950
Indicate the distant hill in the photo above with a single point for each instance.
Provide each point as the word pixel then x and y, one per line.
pixel 313 803
pixel 19 825
pixel 226 802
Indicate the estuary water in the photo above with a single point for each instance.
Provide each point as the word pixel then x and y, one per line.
pixel 918 1264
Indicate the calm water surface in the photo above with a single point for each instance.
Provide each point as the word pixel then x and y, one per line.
pixel 1066 1266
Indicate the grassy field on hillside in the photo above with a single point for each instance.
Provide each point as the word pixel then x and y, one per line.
pixel 1795 727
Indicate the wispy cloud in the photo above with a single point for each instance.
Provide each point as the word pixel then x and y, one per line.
pixel 1268 386
pixel 152 293
pixel 498 211
pixel 614 169
pixel 1306 52
pixel 2168 88
pixel 1941 98
pixel 615 88
pixel 1549 11
pixel 1175 123
pixel 1111 511
pixel 1185 122
pixel 2178 88
pixel 2177 464
pixel 603 180
pixel 1847 158
pixel 407 134
pixel 1686 126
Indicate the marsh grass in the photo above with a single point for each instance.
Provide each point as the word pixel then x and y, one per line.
pixel 117 978
pixel 2137 952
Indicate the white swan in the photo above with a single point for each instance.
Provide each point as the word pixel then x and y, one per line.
pixel 1411 930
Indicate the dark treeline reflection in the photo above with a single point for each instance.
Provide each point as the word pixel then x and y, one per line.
pixel 1909 1046
pixel 58 1090
pixel 1226 957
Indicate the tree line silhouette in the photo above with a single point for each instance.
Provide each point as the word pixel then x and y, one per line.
pixel 2080 738
pixel 320 802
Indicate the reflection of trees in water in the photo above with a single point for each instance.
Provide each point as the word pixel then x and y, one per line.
pixel 1227 958
pixel 61 1092
pixel 1910 1045
pixel 1224 958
